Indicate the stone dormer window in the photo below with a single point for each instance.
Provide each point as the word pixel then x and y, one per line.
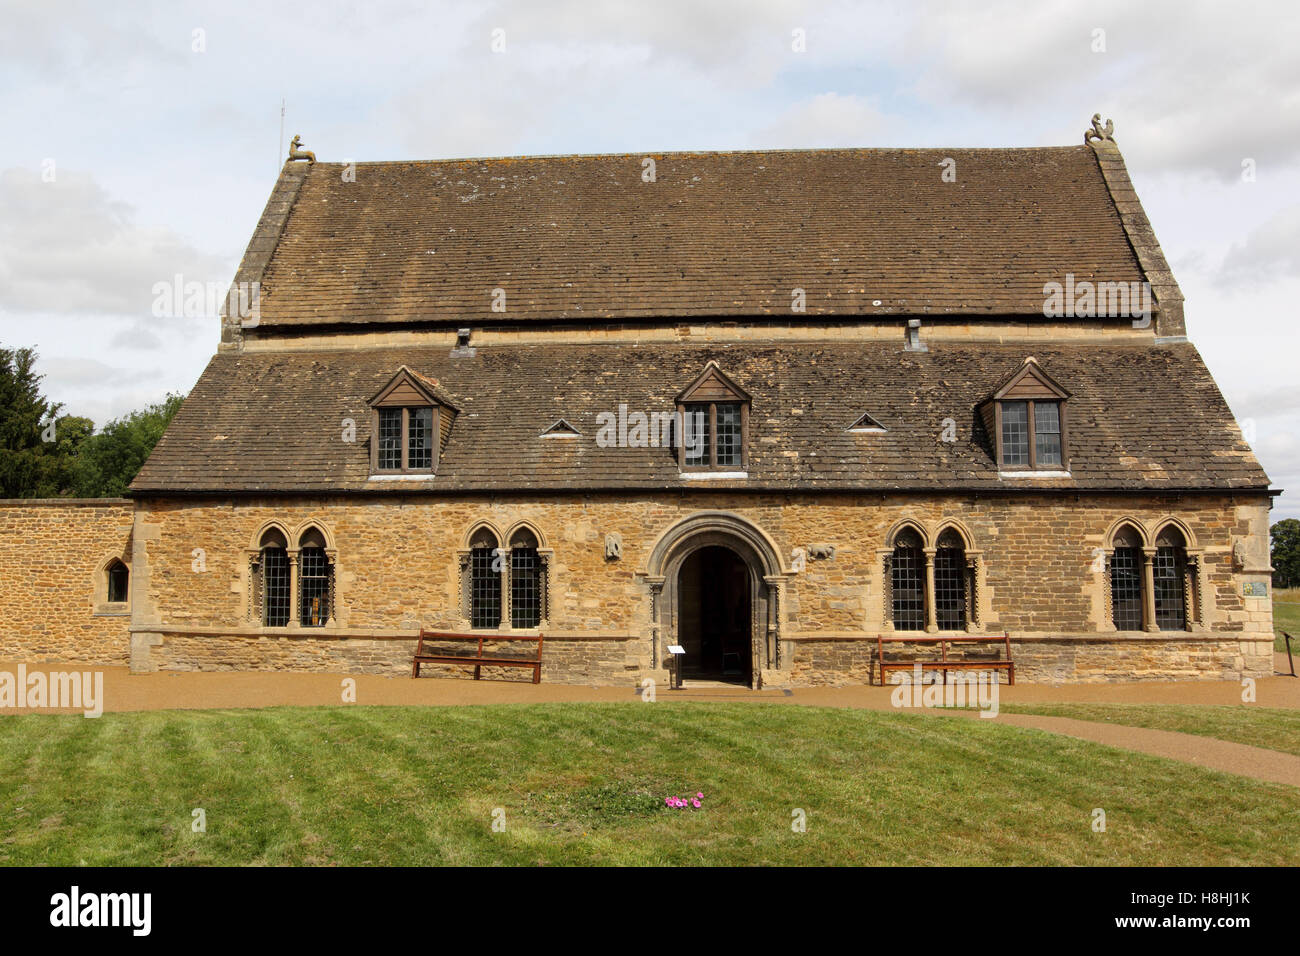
pixel 409 422
pixel 1025 418
pixel 713 412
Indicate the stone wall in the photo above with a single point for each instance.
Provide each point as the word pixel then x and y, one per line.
pixel 397 561
pixel 53 603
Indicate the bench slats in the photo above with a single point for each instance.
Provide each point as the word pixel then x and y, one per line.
pixel 476 660
pixel 943 663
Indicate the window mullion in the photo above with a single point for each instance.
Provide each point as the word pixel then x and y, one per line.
pixel 406 439
pixel 713 435
pixel 1033 435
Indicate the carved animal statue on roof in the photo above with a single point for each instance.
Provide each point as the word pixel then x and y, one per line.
pixel 1098 132
pixel 296 153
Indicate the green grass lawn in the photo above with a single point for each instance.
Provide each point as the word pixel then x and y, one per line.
pixel 1286 617
pixel 1275 729
pixel 584 784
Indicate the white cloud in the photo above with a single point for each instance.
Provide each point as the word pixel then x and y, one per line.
pixel 1269 252
pixel 827 120
pixel 66 246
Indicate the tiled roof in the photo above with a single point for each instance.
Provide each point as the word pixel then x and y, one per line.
pixel 1139 418
pixel 716 234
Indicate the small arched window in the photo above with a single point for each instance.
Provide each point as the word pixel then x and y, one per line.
pixel 1169 580
pixel 1126 580
pixel 118 579
pixel 272 579
pixel 315 580
pixel 950 582
pixel 907 581
pixel 485 566
pixel 525 580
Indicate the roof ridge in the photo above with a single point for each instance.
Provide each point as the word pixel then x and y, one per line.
pixel 657 153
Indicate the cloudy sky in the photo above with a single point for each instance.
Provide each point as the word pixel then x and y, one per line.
pixel 141 139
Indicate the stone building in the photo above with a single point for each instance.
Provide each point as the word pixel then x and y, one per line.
pixel 764 405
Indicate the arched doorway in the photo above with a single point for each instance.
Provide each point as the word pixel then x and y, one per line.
pixel 715 616
pixel 732 576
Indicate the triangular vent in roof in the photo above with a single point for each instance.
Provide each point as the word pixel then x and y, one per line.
pixel 561 429
pixel 866 424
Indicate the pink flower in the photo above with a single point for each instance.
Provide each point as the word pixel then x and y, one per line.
pixel 697 804
pixel 699 796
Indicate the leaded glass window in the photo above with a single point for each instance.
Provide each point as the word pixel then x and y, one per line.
pixel 275 587
pixel 950 582
pixel 1126 588
pixel 420 439
pixel 313 587
pixel 485 584
pixel 907 579
pixel 1169 574
pixel 525 582
pixel 696 435
pixel 1015 433
pixel 1047 433
pixel 390 439
pixel 729 435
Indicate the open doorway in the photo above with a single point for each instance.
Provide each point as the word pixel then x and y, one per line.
pixel 714 608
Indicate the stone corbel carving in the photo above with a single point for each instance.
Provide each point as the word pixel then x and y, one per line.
pixel 613 546
pixel 821 551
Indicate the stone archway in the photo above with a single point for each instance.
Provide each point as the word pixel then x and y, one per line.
pixel 750 545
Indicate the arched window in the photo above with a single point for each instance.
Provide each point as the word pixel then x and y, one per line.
pixel 1169 580
pixel 272 587
pixel 485 566
pixel 907 581
pixel 118 580
pixel 315 580
pixel 525 580
pixel 950 582
pixel 1126 580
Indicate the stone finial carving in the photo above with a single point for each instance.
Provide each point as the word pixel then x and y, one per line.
pixel 613 546
pixel 1098 132
pixel 821 551
pixel 296 153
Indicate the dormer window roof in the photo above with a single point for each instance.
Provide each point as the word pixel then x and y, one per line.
pixel 1025 417
pixel 865 424
pixel 410 419
pixel 560 429
pixel 714 415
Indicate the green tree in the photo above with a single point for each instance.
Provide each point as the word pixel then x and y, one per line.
pixel 108 461
pixel 37 447
pixel 1285 553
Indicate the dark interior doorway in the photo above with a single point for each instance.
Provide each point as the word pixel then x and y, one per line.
pixel 714 594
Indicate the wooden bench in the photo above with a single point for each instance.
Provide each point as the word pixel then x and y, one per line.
pixel 943 663
pixel 477 659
